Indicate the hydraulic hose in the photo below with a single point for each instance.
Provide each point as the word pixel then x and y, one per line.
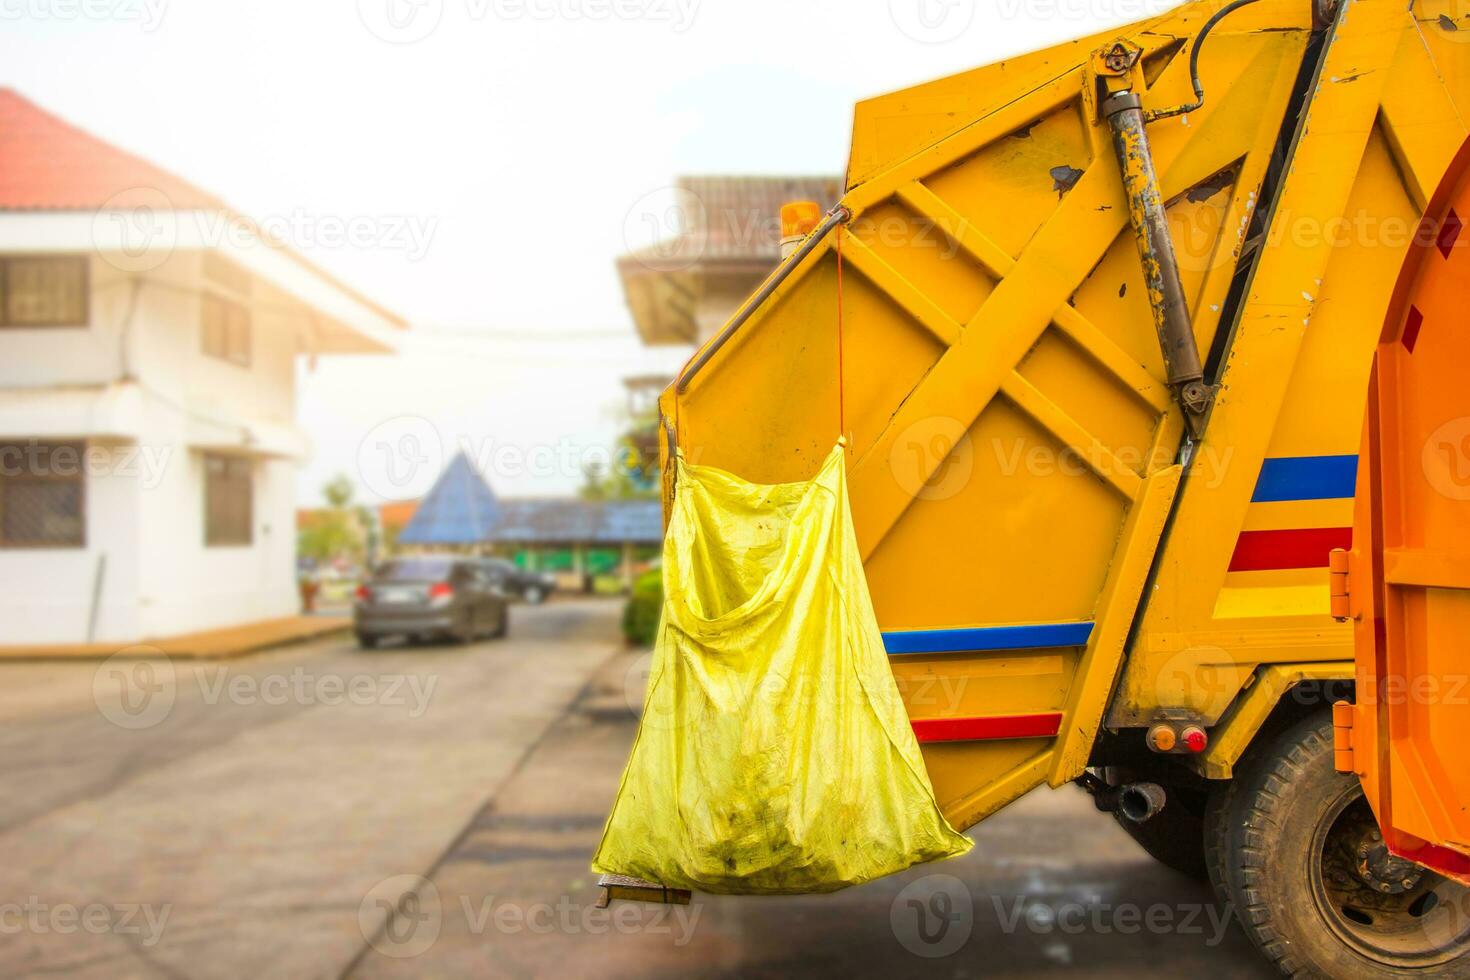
pixel 1199 43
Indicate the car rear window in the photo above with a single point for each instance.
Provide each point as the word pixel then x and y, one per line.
pixel 414 570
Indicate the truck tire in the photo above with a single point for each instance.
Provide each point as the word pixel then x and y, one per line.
pixel 1175 836
pixel 1292 847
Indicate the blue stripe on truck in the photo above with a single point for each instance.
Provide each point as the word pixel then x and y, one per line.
pixel 1306 478
pixel 988 638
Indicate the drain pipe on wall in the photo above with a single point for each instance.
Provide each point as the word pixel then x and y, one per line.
pixel 98 577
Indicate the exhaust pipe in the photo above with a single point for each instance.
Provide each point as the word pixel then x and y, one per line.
pixel 1141 802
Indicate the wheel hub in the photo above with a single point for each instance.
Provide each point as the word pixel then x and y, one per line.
pixel 1382 871
pixel 1391 910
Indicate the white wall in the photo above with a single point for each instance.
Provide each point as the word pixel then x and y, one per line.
pixel 90 354
pixel 46 594
pixel 167 359
pixel 186 586
pixel 148 520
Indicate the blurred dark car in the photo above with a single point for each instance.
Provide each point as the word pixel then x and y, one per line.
pixel 533 587
pixel 430 598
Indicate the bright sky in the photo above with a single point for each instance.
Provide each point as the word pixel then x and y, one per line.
pixel 502 153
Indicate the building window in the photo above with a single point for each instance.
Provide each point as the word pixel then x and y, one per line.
pixel 229 490
pixel 226 329
pixel 43 291
pixel 42 495
pixel 226 274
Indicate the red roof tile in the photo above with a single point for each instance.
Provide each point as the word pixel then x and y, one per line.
pixel 48 164
pixel 397 513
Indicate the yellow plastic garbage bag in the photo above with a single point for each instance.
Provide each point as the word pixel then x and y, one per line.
pixel 774 755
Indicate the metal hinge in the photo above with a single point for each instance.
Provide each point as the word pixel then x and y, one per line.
pixel 1337 584
pixel 1342 736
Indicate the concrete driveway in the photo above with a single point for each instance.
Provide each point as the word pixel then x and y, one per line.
pixel 325 812
pixel 229 819
pixel 1052 888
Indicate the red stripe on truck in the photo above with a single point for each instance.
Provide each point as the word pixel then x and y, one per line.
pixel 1258 551
pixel 987 728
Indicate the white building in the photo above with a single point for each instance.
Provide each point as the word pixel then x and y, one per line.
pixel 148 347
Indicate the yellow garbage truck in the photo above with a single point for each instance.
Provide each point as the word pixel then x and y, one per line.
pixel 1098 324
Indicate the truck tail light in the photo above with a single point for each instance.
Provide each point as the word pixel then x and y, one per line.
pixel 1161 738
pixel 1195 739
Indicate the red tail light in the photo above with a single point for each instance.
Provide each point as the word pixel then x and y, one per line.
pixel 441 590
pixel 363 593
pixel 1195 739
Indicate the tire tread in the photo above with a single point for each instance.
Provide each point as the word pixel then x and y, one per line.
pixel 1258 820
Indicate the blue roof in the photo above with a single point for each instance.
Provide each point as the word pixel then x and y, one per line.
pixel 567 519
pixel 632 520
pixel 461 509
pixel 557 519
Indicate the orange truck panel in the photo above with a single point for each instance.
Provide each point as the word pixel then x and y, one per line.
pixel 1407 579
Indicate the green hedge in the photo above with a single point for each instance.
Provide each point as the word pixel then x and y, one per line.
pixel 645 605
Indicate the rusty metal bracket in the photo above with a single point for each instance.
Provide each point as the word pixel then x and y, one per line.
pixel 1118 60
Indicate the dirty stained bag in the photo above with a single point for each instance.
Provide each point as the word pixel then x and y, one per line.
pixel 774 755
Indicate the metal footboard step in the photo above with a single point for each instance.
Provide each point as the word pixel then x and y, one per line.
pixel 628 889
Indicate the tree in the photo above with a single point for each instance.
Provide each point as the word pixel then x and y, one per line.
pixel 338 492
pixel 338 530
pixel 634 472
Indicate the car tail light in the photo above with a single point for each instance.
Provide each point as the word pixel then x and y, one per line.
pixel 441 590
pixel 364 594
